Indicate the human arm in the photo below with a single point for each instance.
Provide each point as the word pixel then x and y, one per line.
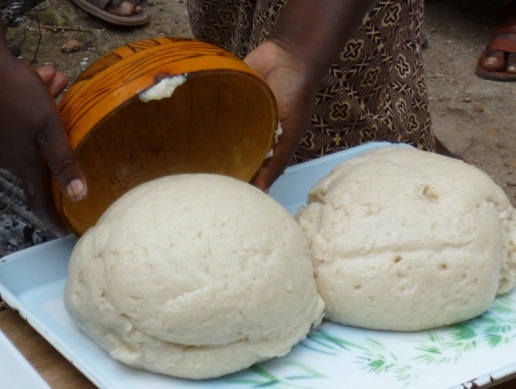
pixel 307 38
pixel 33 143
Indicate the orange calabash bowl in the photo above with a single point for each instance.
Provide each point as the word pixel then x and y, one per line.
pixel 221 119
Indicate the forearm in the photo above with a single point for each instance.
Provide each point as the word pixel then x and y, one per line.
pixel 316 31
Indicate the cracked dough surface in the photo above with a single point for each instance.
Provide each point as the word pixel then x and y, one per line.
pixel 194 276
pixel 406 240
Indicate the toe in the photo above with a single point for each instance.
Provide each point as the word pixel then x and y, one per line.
pixel 494 61
pixel 511 63
pixel 125 8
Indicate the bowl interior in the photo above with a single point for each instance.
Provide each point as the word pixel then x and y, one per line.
pixel 217 121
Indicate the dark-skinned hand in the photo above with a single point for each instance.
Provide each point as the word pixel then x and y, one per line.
pixel 33 143
pixel 295 92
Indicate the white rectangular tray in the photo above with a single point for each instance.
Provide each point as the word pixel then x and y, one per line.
pixel 475 352
pixel 15 370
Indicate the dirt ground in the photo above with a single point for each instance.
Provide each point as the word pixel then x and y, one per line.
pixel 475 118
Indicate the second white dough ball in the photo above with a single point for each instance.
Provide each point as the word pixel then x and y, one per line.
pixel 403 239
pixel 194 276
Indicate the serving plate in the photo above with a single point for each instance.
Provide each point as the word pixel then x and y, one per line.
pixel 471 354
pixel 15 370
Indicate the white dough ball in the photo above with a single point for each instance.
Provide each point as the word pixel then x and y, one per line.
pixel 403 239
pixel 194 276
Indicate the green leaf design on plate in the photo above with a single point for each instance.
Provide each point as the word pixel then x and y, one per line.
pixel 463 332
pixel 379 360
pixel 443 345
pixel 504 304
pixel 448 344
pixel 495 327
pixel 321 341
pixel 499 333
pixel 309 371
pixel 264 378
pixel 438 349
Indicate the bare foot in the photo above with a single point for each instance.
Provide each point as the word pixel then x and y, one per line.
pixel 124 7
pixel 498 60
pixel 501 54
pixel 127 13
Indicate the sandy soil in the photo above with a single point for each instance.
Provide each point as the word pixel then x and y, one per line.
pixel 475 118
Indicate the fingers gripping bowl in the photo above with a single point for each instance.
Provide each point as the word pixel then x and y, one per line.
pixel 158 107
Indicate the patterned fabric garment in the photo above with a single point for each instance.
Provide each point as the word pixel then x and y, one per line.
pixel 375 91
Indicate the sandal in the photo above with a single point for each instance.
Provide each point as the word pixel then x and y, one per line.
pixel 502 44
pixel 97 8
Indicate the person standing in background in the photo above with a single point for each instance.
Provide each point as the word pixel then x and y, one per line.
pixel 353 69
pixel 344 73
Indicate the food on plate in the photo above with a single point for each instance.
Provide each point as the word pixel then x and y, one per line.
pixel 194 276
pixel 403 239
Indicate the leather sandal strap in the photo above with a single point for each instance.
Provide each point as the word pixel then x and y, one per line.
pixel 116 3
pixel 506 30
pixel 507 45
pixel 102 4
pixel 507 27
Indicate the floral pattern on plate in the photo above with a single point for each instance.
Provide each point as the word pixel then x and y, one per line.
pixel 371 353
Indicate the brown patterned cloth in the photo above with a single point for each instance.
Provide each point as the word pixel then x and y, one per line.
pixel 375 91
